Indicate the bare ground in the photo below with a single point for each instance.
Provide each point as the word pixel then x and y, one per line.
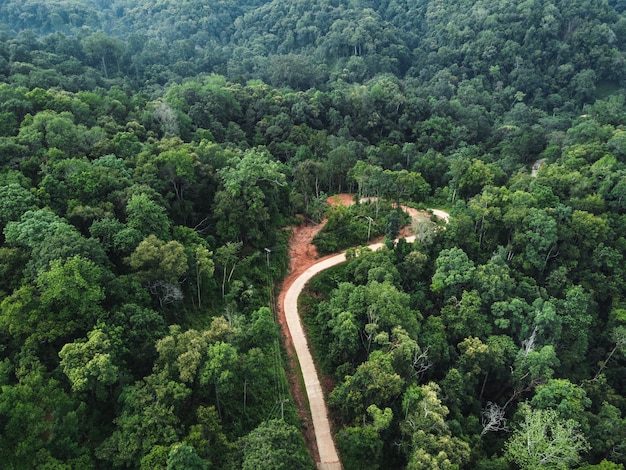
pixel 303 254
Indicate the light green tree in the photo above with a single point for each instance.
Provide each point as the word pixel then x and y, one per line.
pixel 91 365
pixel 453 271
pixel 542 439
pixel 431 444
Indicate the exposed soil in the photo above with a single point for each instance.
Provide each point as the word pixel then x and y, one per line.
pixel 303 255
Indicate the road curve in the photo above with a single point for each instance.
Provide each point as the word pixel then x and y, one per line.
pixel 329 459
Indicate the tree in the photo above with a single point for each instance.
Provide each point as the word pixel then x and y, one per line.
pixel 71 292
pixel 208 438
pixel 569 400
pixel 142 328
pixel 150 416
pixel 542 439
pixel 100 47
pixel 204 269
pixel 465 317
pixel 184 457
pixel 49 130
pixel 274 445
pixel 176 173
pixel 453 271
pixel 361 446
pixel 253 199
pixel 475 177
pixel 533 366
pixel 493 419
pixel 66 299
pixel 375 381
pixel 39 423
pixel 539 241
pixel 147 217
pixel 33 228
pixel 226 258
pixel 578 312
pixel 430 442
pixel 159 265
pixel 92 365
pixel 407 184
pixel 221 359
pixel 14 201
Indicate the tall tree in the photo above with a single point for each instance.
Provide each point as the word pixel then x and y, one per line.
pixel 543 439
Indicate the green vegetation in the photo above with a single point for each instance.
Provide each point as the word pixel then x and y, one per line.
pixel 153 152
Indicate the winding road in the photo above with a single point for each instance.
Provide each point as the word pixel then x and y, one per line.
pixel 328 457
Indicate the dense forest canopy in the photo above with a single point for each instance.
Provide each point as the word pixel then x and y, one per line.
pixel 153 154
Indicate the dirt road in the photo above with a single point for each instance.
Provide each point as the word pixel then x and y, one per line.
pixel 304 268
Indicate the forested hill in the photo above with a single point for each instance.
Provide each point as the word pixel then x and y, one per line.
pixel 154 155
pixel 555 52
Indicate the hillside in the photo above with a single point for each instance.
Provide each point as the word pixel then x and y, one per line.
pixel 154 155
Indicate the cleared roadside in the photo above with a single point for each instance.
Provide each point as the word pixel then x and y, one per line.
pixel 329 458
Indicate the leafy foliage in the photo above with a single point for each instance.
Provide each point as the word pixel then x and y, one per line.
pixel 152 153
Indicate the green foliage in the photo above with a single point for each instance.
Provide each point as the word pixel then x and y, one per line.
pixel 454 270
pixel 254 196
pixel 165 143
pixel 542 438
pixel 354 225
pixel 91 365
pixel 360 446
pixel 147 217
pixel 183 457
pixel 274 444
pixel 153 400
pixel 67 299
pixel 431 444
pixel 40 422
pixel 155 260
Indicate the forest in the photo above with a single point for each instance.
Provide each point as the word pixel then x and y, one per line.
pixel 154 155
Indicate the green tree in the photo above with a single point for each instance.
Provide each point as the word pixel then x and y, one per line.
pixel 184 457
pixel 208 438
pixel 102 48
pixel 430 442
pixel 568 399
pixel 475 176
pixel 66 299
pixel 274 445
pixel 160 265
pixel 362 446
pixel 147 217
pixel 577 311
pixel 227 258
pixel 92 365
pixel 204 269
pixel 221 359
pixel 142 328
pixel 15 200
pixel 540 240
pixel 465 317
pixel 375 381
pixel 49 130
pixel 39 423
pixel 150 416
pixel 253 199
pixel 542 439
pixel 454 270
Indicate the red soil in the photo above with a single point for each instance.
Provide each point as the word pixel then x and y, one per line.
pixel 302 255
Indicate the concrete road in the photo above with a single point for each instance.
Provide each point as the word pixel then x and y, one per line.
pixel 329 459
